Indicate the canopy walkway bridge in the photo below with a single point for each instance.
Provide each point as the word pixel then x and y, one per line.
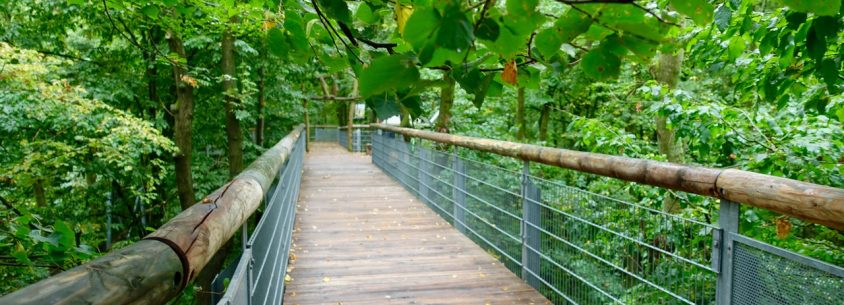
pixel 429 218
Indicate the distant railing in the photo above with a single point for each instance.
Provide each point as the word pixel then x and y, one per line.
pixel 579 247
pixel 258 276
pixel 157 268
pixel 361 136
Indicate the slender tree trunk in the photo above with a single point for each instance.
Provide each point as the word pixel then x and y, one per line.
pixel 154 36
pixel 668 74
pixel 307 126
pixel 233 133
pixel 443 123
pixel 350 120
pixel 341 113
pixel 543 121
pixel 182 132
pixel 259 126
pixel 234 138
pixel 40 196
pixel 405 117
pixel 520 115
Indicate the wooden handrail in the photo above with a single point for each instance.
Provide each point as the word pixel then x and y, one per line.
pixel 811 202
pixel 155 269
pixel 359 126
pixel 339 127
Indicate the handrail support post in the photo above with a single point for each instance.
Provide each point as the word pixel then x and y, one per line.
pixel 722 250
pixel 458 193
pixel 530 235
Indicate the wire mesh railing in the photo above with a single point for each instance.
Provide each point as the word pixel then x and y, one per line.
pixel 579 247
pixel 361 136
pixel 259 275
pixel 323 133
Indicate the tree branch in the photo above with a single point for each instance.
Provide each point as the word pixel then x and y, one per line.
pixel 10 206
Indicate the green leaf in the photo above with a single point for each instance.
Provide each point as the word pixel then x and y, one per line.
pixel 337 9
pixel 522 17
pixel 722 17
pixel 828 71
pixel 413 104
pixel 815 43
pixel 827 27
pixel 572 24
pixel 565 29
pixel 388 73
pixel 795 19
pixel 365 14
pixel 385 105
pixel 521 7
pixel 456 31
pixel 66 236
pixel 474 82
pixel 151 11
pixel 296 38
pixel 736 47
pixel 615 14
pixel 488 29
pixel 548 42
pixel 277 42
pixel 699 10
pixel 817 7
pixel 421 26
pixel 443 56
pixel 600 63
pixel 840 114
pixel 483 90
pixel 644 50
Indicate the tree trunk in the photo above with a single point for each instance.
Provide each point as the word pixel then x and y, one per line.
pixel 259 126
pixel 668 74
pixel 154 36
pixel 520 115
pixel 405 117
pixel 543 121
pixel 40 197
pixel 307 126
pixel 183 133
pixel 350 120
pixel 443 123
pixel 233 134
pixel 341 113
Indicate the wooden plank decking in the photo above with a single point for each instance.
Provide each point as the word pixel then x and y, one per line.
pixel 360 238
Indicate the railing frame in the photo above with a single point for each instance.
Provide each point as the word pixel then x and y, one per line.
pixel 157 268
pixel 724 238
pixel 355 141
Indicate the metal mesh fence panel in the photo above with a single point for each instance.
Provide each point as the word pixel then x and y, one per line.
pixel 267 250
pixel 589 249
pixel 764 275
pixel 324 134
pixel 580 247
pixel 597 250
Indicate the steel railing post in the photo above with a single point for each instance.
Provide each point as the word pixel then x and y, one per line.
pixel 424 180
pixel 530 234
pixel 457 193
pixel 722 250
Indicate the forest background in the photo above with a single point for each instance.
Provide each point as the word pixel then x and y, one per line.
pixel 125 112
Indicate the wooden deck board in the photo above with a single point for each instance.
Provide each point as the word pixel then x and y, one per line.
pixel 360 238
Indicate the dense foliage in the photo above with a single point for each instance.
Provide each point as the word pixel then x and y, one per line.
pixel 120 109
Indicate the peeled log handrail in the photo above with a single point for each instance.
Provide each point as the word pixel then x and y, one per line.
pixel 815 203
pixel 155 269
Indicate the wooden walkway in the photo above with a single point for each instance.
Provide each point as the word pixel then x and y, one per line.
pixel 360 238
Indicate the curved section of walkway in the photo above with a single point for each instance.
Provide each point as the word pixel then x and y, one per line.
pixel 360 238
